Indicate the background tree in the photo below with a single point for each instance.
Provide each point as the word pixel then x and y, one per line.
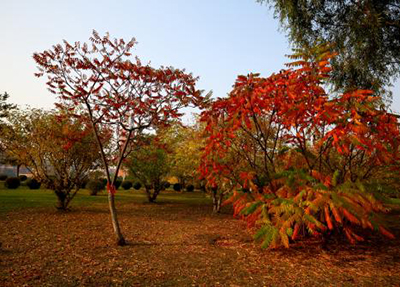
pixel 115 91
pixel 185 143
pixel 5 110
pixel 221 168
pixel 59 151
pixel 366 34
pixel 150 164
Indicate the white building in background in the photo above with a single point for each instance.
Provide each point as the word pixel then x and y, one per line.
pixel 12 170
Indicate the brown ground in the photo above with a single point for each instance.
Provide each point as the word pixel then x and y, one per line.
pixel 175 245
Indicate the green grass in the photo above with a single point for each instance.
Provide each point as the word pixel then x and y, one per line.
pixel 23 197
pixel 12 199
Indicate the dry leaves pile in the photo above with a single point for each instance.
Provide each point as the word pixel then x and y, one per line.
pixel 175 245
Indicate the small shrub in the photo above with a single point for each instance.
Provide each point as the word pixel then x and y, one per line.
pixel 3 177
pixel 23 177
pixel 33 183
pixel 12 183
pixel 167 184
pixel 118 183
pixel 95 186
pixel 126 184
pixel 137 185
pixel 84 183
pixel 190 188
pixel 177 187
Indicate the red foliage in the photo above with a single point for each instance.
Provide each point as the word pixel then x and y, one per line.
pixel 288 121
pixel 99 81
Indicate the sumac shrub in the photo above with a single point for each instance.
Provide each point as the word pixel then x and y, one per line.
pixel 190 188
pixel 126 184
pixel 12 183
pixel 309 174
pixel 95 186
pixel 137 185
pixel 32 183
pixel 177 187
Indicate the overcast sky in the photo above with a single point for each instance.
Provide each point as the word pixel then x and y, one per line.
pixel 214 39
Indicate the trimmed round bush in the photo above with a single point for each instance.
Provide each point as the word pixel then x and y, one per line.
pixel 84 183
pixel 3 177
pixel 32 183
pixel 126 184
pixel 12 183
pixel 95 186
pixel 177 187
pixel 118 183
pixel 190 188
pixel 23 177
pixel 167 184
pixel 137 185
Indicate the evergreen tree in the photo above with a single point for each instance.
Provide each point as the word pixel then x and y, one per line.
pixel 365 33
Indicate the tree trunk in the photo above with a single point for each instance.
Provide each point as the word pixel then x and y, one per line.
pixel 182 181
pixel 217 201
pixel 18 168
pixel 61 201
pixel 155 194
pixel 110 188
pixel 148 193
pixel 152 197
pixel 113 211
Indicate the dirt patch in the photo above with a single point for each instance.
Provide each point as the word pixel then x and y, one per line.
pixel 175 245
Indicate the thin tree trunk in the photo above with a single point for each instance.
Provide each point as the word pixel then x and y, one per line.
pixel 217 201
pixel 155 194
pixel 149 196
pixel 148 192
pixel 110 188
pixel 152 197
pixel 113 211
pixel 18 168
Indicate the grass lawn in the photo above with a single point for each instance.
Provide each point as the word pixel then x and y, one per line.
pixel 176 242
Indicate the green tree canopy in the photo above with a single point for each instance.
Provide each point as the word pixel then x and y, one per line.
pixel 150 164
pixel 5 107
pixel 5 110
pixel 365 33
pixel 58 150
pixel 186 143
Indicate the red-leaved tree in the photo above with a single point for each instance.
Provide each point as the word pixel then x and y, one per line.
pixel 101 81
pixel 300 162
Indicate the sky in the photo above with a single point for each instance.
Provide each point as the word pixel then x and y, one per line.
pixel 216 40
